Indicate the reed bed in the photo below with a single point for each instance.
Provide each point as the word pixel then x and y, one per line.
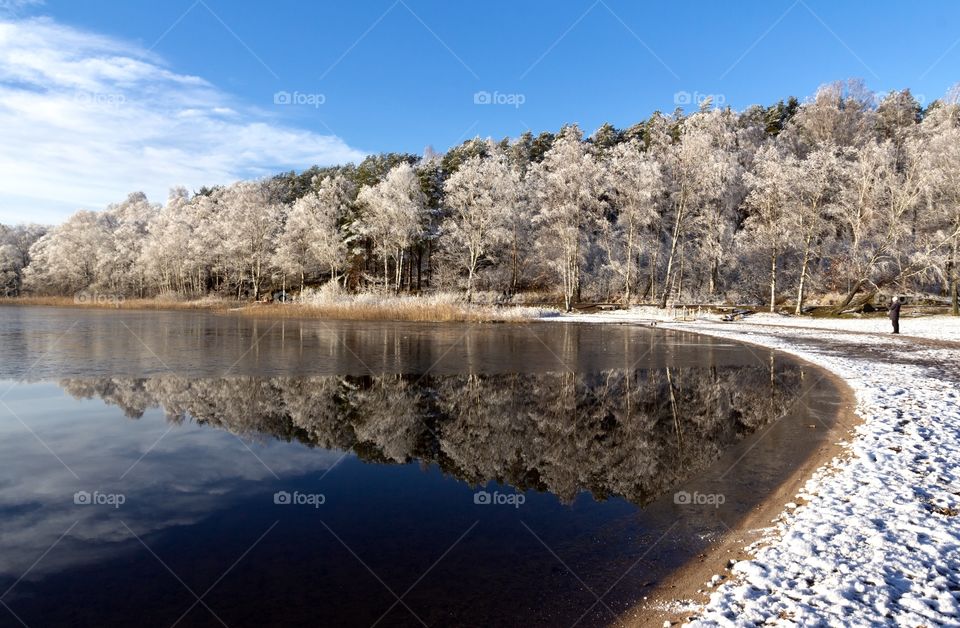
pixel 434 308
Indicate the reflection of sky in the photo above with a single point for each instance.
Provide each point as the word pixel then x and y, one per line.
pixel 185 475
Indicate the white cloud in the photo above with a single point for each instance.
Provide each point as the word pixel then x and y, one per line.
pixel 87 119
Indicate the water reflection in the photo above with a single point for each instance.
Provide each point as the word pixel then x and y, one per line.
pixel 631 434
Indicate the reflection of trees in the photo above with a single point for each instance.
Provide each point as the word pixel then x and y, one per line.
pixel 629 433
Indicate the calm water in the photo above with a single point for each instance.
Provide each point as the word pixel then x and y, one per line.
pixel 206 470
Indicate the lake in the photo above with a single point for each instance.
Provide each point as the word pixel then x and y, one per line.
pixel 201 469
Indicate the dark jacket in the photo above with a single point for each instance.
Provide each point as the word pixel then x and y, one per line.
pixel 895 311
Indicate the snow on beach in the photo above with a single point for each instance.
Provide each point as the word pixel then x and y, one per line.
pixel 930 327
pixel 876 537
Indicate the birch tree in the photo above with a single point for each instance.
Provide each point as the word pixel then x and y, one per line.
pixel 393 217
pixel 117 261
pixel 696 167
pixel 328 245
pixel 817 180
pixel 716 222
pixel 165 254
pixel 481 195
pixel 64 261
pixel 566 187
pixel 15 243
pixel 941 164
pixel 840 114
pixel 312 238
pixel 768 204
pixel 635 185
pixel 250 222
pixel 874 208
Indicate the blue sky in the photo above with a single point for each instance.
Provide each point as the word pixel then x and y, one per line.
pixel 386 75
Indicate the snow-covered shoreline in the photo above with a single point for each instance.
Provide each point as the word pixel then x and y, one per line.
pixel 876 537
pixel 945 328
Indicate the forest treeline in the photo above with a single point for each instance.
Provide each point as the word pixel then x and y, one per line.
pixel 842 197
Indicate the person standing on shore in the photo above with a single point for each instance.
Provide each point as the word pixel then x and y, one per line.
pixel 895 314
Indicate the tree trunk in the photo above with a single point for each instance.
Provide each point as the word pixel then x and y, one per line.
pixel 667 285
pixel 655 262
pixel 629 277
pixel 680 276
pixel 714 276
pixel 773 281
pixel 386 274
pixel 851 293
pixel 803 276
pixel 642 295
pixel 429 272
pixel 399 276
pixel 255 272
pixel 652 275
pixel 953 281
pixel 576 273
pixel 473 265
pixel 514 270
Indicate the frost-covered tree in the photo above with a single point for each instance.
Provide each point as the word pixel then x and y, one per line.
pixel 898 115
pixel 329 245
pixel 874 209
pixel 312 238
pixel 393 218
pixel 250 219
pixel 940 158
pixel 96 250
pixel 165 254
pixel 15 243
pixel 117 267
pixel 566 187
pixel 481 195
pixel 768 202
pixel 64 261
pixel 716 222
pixel 840 114
pixel 635 185
pixel 816 186
pixel 209 257
pixel 8 278
pixel 697 167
